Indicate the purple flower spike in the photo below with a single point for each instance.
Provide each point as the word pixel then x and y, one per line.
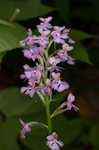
pixel 25 129
pixel 57 84
pixel 53 143
pixel 70 100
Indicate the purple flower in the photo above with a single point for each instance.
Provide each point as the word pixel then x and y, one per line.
pixel 33 72
pixel 31 88
pixel 66 47
pixel 27 72
pixel 33 52
pixel 70 60
pixel 29 40
pixel 54 61
pixel 45 23
pixel 71 41
pixel 47 88
pixel 57 84
pixel 25 129
pixel 41 40
pixel 46 20
pixel 53 143
pixel 63 54
pixel 59 34
pixel 70 100
pixel 41 50
pixel 33 75
pixel 44 33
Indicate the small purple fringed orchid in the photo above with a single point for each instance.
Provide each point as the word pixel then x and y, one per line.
pixel 53 143
pixel 25 129
pixel 70 100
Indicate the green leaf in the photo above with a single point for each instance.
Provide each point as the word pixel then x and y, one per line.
pixel 79 35
pixel 8 135
pixel 10 35
pixel 13 103
pixel 28 9
pixel 80 53
pixel 94 134
pixel 2 54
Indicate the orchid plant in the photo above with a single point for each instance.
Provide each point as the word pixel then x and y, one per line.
pixel 45 76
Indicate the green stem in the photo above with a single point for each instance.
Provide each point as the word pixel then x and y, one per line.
pixel 49 45
pixel 48 114
pixel 58 113
pixel 41 97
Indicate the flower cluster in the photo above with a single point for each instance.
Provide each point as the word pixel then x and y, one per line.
pixel 45 76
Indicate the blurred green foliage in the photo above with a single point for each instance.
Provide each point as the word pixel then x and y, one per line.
pixel 27 8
